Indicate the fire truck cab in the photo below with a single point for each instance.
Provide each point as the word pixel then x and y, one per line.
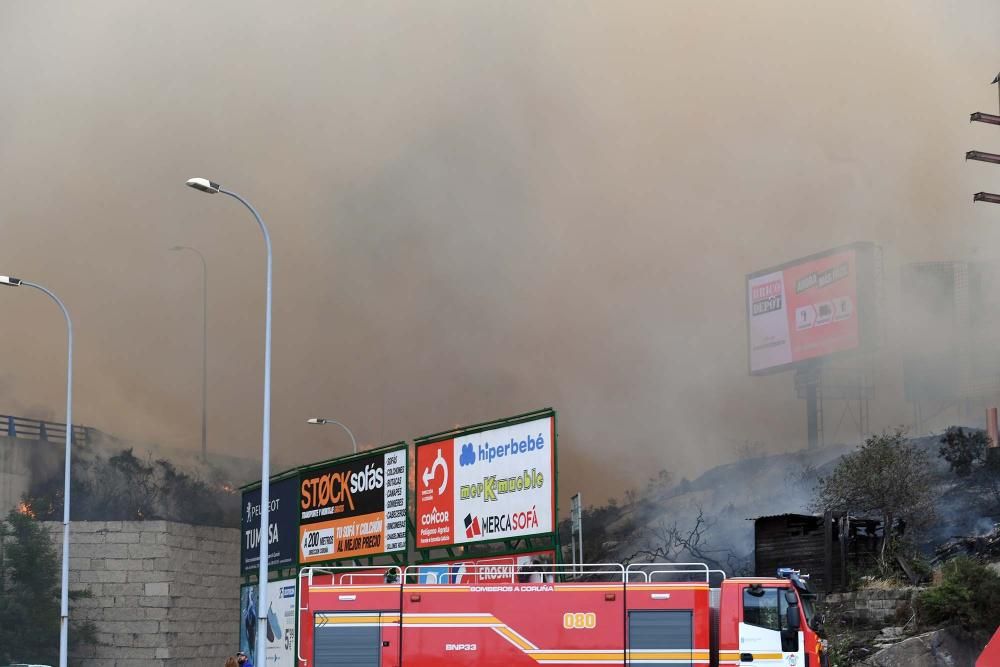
pixel 660 614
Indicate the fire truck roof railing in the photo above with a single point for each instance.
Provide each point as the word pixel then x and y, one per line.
pixel 431 573
pixel 667 572
pixel 354 574
pixel 454 573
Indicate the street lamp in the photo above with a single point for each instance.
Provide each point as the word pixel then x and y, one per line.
pixel 204 349
pixel 208 186
pixel 321 420
pixel 11 281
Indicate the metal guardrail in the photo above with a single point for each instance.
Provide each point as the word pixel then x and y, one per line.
pixel 34 429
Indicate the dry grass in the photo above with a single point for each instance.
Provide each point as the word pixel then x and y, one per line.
pixel 879 583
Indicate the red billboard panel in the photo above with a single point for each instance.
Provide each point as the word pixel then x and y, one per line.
pixel 489 484
pixel 809 308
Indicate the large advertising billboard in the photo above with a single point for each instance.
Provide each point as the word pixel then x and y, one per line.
pixel 279 648
pixel 354 507
pixel 283 520
pixel 491 484
pixel 809 308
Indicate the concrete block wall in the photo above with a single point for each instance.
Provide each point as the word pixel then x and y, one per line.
pixel 162 593
pixel 874 606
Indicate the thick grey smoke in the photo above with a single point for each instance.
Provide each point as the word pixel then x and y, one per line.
pixel 477 208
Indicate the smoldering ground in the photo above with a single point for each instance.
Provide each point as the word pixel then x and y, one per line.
pixel 477 209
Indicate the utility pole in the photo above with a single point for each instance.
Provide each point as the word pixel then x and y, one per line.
pixel 576 532
pixel 982 156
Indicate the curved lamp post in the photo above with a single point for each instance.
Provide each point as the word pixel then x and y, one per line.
pixel 321 420
pixel 205 185
pixel 11 281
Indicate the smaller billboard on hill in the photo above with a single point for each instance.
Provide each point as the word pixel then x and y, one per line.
pixel 811 308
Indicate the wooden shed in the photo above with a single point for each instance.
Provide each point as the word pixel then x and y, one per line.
pixel 828 547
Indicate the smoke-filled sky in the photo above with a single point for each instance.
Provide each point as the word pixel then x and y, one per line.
pixel 477 209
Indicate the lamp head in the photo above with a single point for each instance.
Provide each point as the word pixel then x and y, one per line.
pixel 203 184
pixel 10 281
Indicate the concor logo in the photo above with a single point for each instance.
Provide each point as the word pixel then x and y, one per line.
pixel 434 517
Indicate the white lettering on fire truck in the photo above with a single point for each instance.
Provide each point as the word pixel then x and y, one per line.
pixel 460 647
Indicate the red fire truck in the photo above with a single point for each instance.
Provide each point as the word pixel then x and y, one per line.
pixel 650 614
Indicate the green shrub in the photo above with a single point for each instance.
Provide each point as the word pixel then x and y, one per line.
pixel 29 595
pixel 969 595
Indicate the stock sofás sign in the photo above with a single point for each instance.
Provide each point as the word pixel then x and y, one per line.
pixel 489 485
pixel 354 508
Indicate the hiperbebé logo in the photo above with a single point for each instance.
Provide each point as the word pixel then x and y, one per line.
pixel 472 528
pixel 487 452
pixel 468 456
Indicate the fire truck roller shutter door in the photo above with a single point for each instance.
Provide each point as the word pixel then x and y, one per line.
pixel 345 644
pixel 660 635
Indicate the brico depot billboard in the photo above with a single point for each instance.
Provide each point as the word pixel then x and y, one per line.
pixel 811 308
pixel 491 482
pixel 354 507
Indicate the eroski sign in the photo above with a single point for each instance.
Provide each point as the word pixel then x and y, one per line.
pixel 487 485
pixel 283 530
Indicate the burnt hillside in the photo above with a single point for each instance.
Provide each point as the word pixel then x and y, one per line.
pixel 707 519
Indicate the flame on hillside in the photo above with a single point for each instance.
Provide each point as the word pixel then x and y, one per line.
pixel 25 508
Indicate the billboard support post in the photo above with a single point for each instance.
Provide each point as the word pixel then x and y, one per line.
pixel 576 530
pixel 809 378
pixel 816 308
pixel 812 414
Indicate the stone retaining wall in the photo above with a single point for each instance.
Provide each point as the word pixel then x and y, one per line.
pixel 875 606
pixel 163 593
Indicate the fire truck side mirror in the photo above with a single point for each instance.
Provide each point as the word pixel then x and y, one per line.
pixel 793 611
